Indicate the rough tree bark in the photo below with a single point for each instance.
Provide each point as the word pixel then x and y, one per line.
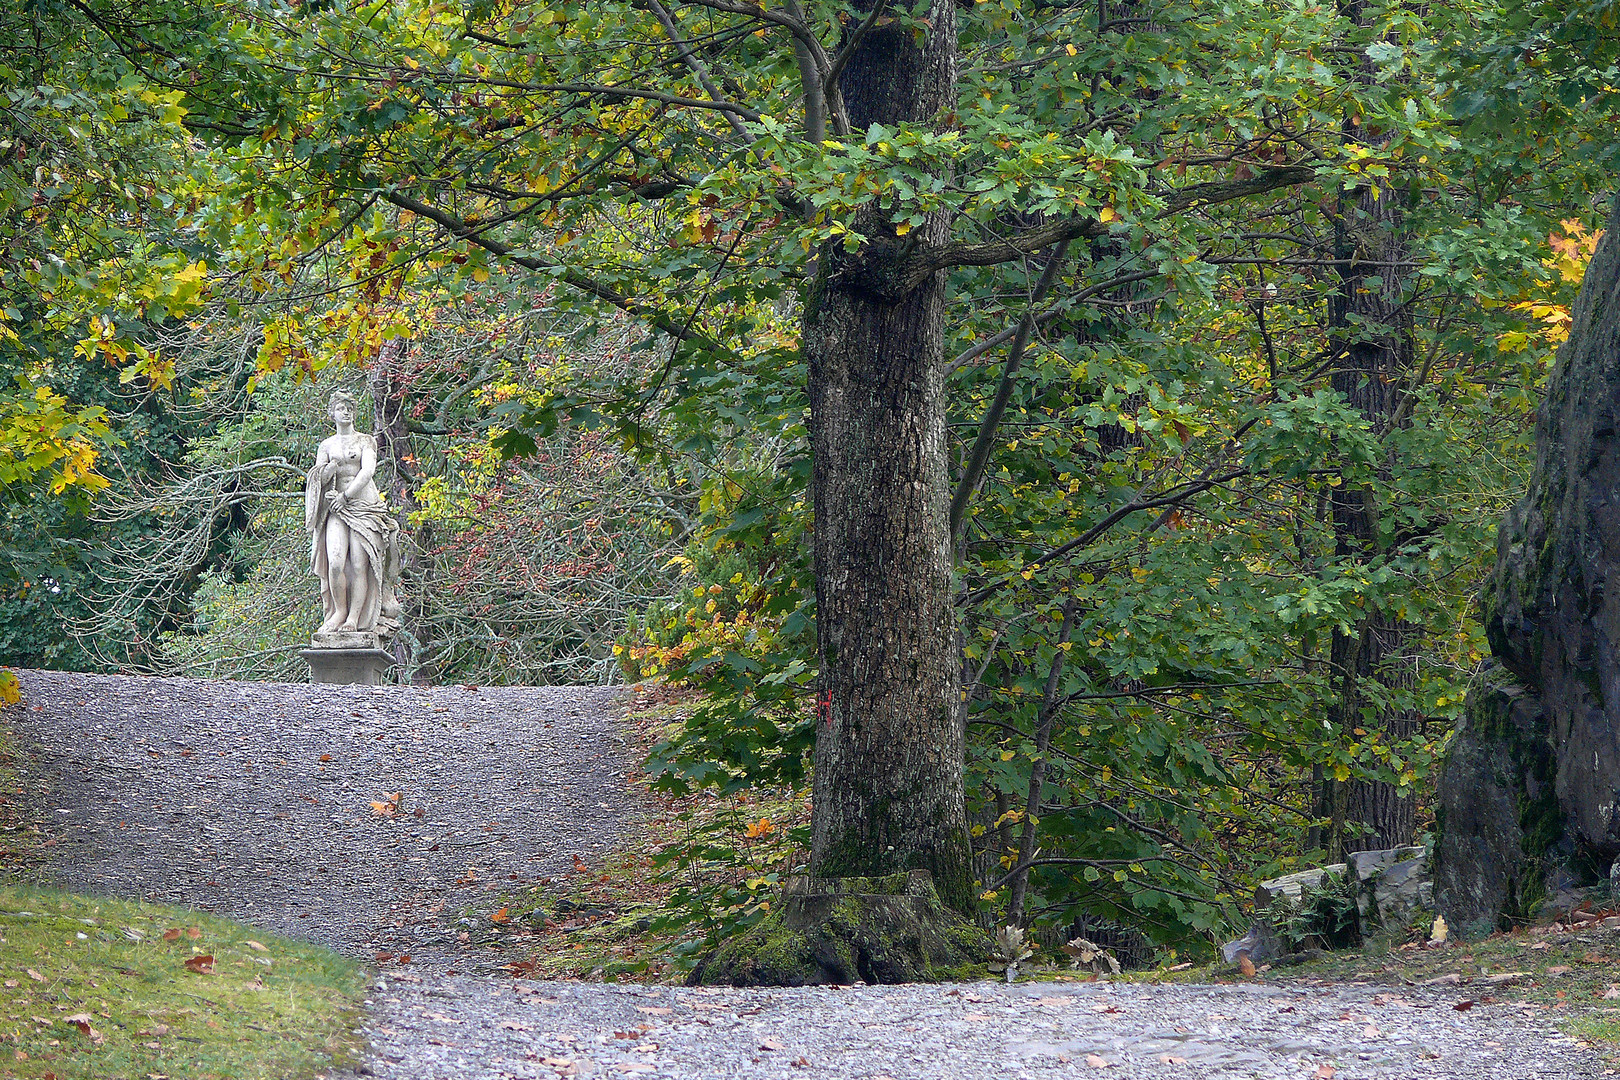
pixel 887 790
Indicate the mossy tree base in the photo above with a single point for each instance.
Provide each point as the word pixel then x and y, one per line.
pixel 890 929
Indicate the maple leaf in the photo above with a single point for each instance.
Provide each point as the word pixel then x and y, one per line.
pixel 202 965
pixel 500 916
pixel 762 827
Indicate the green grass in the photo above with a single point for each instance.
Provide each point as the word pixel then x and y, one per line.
pixel 97 987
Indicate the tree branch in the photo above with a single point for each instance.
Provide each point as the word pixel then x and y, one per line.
pixel 660 320
pixel 698 69
pixel 927 261
pixel 973 471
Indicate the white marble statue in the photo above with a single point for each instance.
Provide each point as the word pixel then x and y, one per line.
pixel 354 537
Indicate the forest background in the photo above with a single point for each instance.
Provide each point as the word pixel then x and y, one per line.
pixel 1247 306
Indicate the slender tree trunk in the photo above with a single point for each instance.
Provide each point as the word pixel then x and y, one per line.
pixel 387 382
pixel 889 749
pixel 1370 318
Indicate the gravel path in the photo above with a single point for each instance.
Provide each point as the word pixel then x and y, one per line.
pixel 217 795
pixel 253 800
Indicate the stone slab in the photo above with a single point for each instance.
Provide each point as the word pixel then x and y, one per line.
pixel 358 667
pixel 353 639
pixel 1291 887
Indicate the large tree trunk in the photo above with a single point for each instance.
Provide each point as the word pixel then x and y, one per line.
pixel 887 790
pixel 887 794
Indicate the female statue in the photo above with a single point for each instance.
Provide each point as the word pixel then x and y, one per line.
pixel 354 539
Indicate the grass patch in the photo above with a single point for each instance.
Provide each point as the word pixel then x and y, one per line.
pixel 99 987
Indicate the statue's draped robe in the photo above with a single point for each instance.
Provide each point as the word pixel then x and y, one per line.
pixel 375 530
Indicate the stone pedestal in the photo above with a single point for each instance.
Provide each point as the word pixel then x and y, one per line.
pixel 355 659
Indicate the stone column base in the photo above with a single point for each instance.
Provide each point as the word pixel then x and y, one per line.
pixel 362 667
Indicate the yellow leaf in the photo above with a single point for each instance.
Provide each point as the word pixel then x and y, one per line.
pixel 1106 214
pixel 10 690
pixel 1071 50
pixel 902 228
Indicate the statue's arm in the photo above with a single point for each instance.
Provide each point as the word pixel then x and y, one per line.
pixel 314 482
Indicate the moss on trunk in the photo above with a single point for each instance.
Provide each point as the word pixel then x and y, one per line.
pixel 890 929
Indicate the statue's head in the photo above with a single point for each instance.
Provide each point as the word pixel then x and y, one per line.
pixel 346 399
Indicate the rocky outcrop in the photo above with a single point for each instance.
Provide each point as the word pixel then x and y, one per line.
pixel 1554 626
pixel 1499 822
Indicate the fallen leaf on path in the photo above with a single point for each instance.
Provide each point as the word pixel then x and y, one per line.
pixel 36 976
pixel 1098 1062
pixel 172 934
pixel 1370 1032
pixel 1463 1006
pixel 501 916
pixel 193 933
pixel 326 757
pixel 202 965
pixel 1325 1071
pixel 1246 965
pixel 770 1044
